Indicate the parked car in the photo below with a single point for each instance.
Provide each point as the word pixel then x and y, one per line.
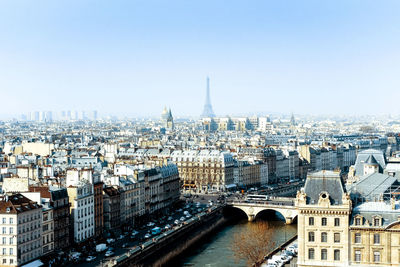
pixel 176 222
pixel 155 230
pixel 110 240
pixel 188 215
pixel 170 218
pixel 109 253
pixel 150 224
pixel 182 219
pixel 90 258
pixel 147 236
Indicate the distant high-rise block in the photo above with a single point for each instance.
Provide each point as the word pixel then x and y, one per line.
pixel 94 117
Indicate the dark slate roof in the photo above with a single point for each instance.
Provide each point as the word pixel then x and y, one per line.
pixel 369 210
pixel 363 156
pixel 58 193
pixel 371 160
pixel 324 181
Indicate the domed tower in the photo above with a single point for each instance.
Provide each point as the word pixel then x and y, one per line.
pixel 164 114
pixel 167 119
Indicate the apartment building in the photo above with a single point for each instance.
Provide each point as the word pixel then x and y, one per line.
pixel 81 197
pixel 20 234
pixel 204 170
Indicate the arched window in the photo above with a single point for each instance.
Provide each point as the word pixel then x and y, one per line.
pixel 324 254
pixel 377 256
pixel 311 237
pixel 311 253
pixel 336 255
pixel 324 237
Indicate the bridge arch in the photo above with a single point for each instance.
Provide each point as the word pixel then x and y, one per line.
pixel 289 213
pixel 240 211
pixel 278 213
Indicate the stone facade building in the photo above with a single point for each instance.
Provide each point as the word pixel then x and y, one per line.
pixel 21 228
pixel 323 221
pixel 204 170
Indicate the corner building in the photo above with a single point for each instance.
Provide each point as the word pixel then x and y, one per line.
pixel 323 222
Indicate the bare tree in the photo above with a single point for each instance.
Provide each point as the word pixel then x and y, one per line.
pixel 254 244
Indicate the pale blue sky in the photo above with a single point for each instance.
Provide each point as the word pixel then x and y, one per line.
pixel 134 57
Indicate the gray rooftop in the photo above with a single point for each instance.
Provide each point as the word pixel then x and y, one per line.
pixel 324 181
pixel 372 187
pixel 364 156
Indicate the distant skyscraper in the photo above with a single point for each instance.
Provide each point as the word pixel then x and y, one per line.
pixel 94 115
pixel 208 111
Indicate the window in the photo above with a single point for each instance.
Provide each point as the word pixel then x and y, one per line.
pixel 324 237
pixel 324 254
pixel 357 255
pixel 311 237
pixel 4 261
pixel 377 256
pixel 4 230
pixel 11 241
pixel 11 230
pixel 376 222
pixel 311 221
pixel 4 251
pixel 336 237
pixel 311 253
pixel 11 221
pixel 324 221
pixel 336 255
pixel 358 221
pixel 4 220
pixel 337 221
pixel 3 240
pixel 357 238
pixel 11 251
pixel 377 238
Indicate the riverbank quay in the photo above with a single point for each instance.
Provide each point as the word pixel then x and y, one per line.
pixel 160 250
pixel 279 249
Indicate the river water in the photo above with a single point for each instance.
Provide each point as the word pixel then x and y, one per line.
pixel 216 251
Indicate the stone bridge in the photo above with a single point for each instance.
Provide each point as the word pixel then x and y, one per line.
pixel 285 207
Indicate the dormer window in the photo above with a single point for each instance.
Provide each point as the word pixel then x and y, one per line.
pixel 358 221
pixel 377 221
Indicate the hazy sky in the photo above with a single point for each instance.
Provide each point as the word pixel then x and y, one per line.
pixel 133 57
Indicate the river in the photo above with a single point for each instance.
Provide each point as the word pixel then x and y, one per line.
pixel 216 251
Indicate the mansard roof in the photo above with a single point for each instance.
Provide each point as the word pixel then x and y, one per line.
pixel 324 181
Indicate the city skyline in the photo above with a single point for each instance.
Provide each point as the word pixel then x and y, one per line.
pixel 132 58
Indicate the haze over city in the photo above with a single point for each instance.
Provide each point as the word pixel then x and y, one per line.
pixel 131 58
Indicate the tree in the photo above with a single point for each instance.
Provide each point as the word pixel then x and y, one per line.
pixel 253 244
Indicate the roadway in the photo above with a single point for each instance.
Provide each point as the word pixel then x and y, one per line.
pixel 191 206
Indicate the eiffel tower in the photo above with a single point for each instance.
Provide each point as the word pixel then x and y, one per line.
pixel 208 111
